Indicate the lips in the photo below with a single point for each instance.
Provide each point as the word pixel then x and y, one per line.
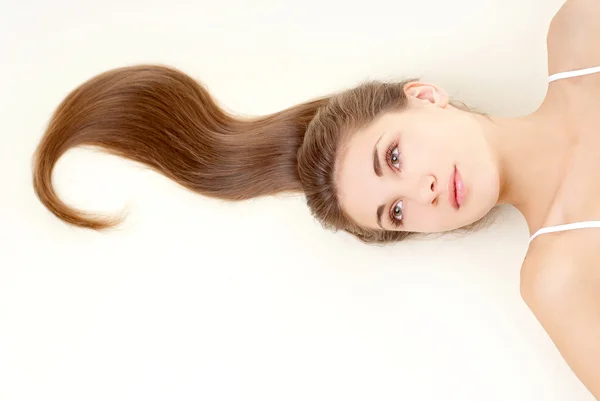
pixel 452 198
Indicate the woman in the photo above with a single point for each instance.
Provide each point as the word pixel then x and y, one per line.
pixel 384 161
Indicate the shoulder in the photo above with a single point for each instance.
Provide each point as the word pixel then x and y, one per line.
pixel 577 246
pixel 560 283
pixel 549 272
pixel 561 264
pixel 573 37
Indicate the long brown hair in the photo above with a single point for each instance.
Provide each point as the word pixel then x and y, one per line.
pixel 161 117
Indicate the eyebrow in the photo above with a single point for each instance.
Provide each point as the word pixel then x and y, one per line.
pixel 379 213
pixel 376 163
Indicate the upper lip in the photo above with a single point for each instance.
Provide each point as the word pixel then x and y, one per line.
pixel 452 189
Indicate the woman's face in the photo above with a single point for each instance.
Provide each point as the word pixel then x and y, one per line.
pixel 427 168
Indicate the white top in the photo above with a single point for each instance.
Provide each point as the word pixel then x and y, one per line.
pixel 574 73
pixel 566 227
pixel 580 224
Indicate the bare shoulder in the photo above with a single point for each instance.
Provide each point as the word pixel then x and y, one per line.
pixel 563 256
pixel 573 37
pixel 560 283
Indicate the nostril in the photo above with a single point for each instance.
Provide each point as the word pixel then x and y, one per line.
pixel 433 186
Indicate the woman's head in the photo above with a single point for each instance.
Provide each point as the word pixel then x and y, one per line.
pixel 325 148
pixel 379 161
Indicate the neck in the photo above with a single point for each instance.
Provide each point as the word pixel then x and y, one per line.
pixel 531 153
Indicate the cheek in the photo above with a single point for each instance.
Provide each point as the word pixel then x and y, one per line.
pixel 425 219
pixel 428 153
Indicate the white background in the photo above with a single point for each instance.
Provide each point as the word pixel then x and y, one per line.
pixel 196 299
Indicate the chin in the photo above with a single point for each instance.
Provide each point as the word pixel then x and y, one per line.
pixel 481 196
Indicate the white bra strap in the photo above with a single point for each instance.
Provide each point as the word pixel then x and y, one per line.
pixel 575 73
pixel 566 227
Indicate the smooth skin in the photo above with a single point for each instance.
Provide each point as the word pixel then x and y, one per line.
pixel 546 164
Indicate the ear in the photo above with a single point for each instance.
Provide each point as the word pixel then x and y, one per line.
pixel 426 93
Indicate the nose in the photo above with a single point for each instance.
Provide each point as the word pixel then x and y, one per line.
pixel 428 189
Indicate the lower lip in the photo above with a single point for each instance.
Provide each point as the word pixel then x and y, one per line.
pixel 459 187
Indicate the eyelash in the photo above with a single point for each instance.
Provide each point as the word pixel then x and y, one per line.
pixel 388 157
